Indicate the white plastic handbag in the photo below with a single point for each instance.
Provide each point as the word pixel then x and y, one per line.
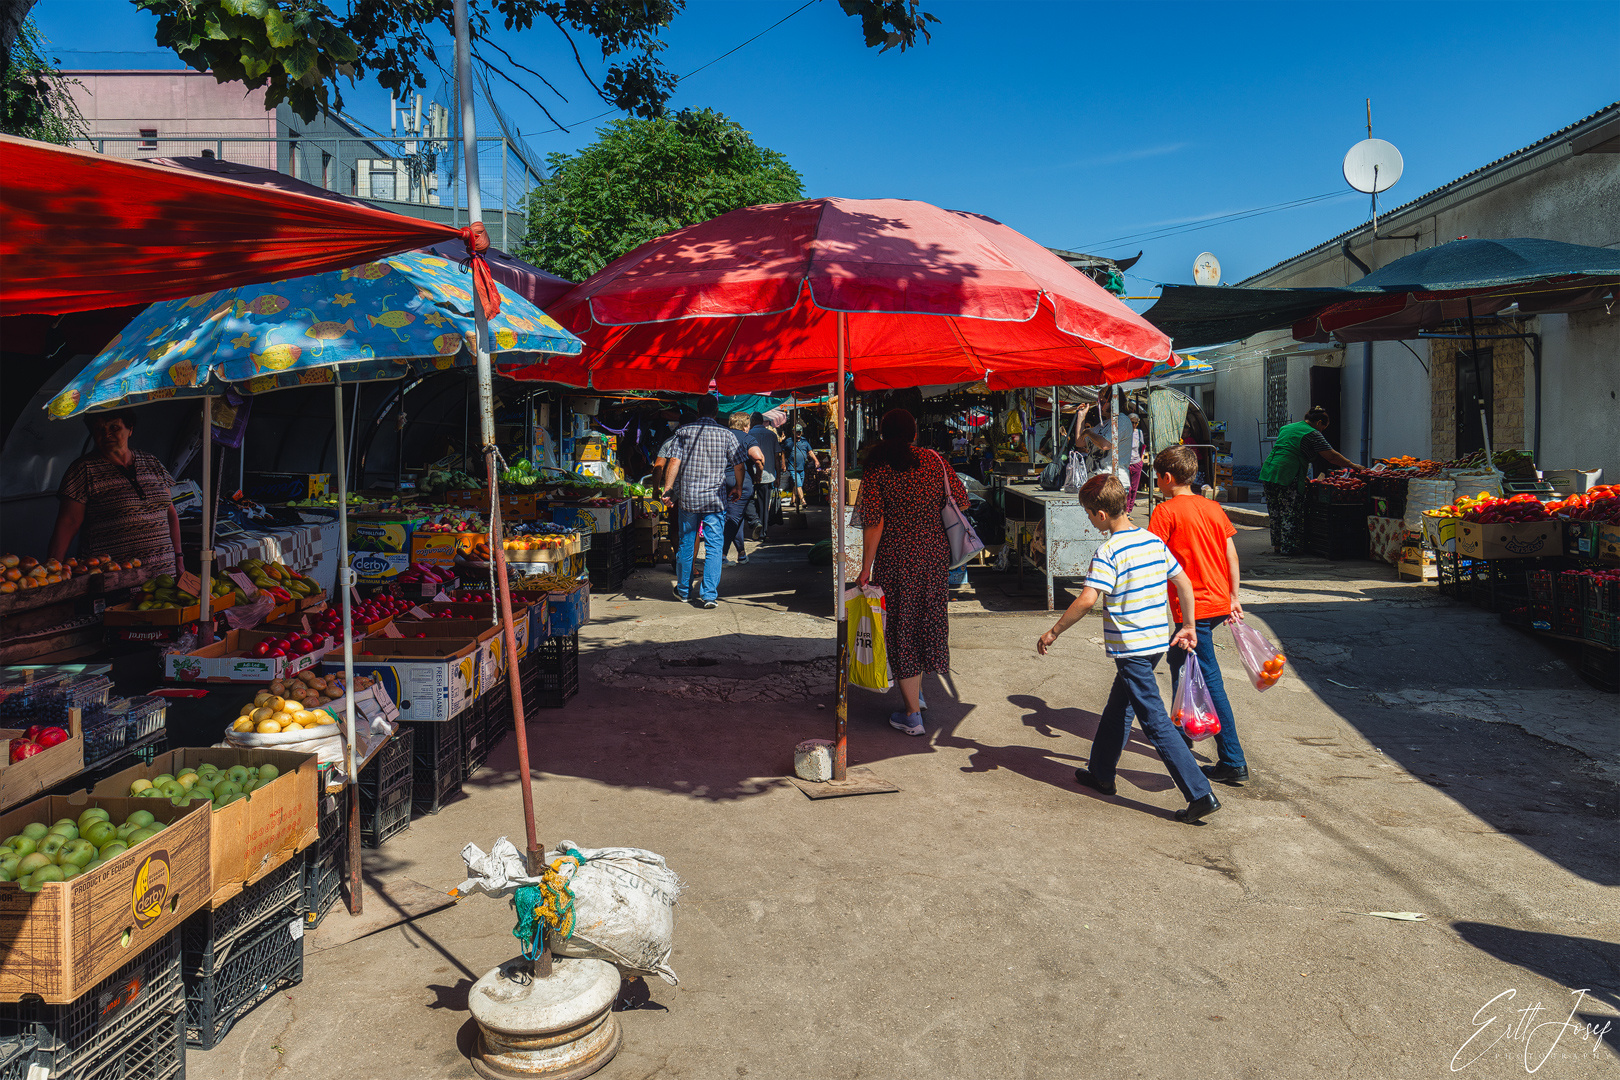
pixel 959 533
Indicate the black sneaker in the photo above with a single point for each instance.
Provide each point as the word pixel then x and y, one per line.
pixel 709 605
pixel 1084 776
pixel 1225 774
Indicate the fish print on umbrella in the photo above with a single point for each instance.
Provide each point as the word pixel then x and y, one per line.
pixel 373 321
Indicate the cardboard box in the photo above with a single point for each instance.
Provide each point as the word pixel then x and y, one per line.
pixel 25 779
pixel 434 549
pixel 569 610
pixel 250 837
pixel 430 681
pixel 277 487
pixel 518 506
pixel 1509 541
pixel 229 659
pixel 468 616
pixel 62 940
pixel 1440 533
pixel 473 497
pixel 543 549
pixel 1608 545
pixel 382 534
pixel 1581 538
pixel 602 519
pixel 127 615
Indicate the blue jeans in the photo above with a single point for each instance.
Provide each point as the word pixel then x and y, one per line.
pixel 1135 690
pixel 1226 740
pixel 714 535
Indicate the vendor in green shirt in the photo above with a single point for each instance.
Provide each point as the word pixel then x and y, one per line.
pixel 1285 475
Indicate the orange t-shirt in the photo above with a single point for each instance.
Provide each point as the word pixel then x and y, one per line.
pixel 1196 529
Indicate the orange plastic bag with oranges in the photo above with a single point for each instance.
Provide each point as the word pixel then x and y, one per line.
pixel 1263 661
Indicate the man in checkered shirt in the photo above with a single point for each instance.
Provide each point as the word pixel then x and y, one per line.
pixel 704 470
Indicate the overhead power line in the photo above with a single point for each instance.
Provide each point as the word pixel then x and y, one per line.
pixel 689 74
pixel 1208 223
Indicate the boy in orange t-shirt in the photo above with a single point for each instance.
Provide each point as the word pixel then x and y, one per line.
pixel 1199 534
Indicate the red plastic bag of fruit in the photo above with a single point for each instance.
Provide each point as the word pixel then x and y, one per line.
pixel 1193 710
pixel 1263 661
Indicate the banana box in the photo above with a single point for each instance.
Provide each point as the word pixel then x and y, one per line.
pixel 63 940
pixel 431 679
pixel 253 837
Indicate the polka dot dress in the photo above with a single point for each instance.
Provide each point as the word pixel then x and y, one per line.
pixel 913 559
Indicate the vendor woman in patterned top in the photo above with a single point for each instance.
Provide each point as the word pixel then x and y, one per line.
pixel 117 500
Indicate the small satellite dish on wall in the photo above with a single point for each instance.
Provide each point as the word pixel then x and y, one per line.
pixel 1372 165
pixel 1207 269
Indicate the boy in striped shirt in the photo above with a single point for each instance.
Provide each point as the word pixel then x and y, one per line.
pixel 1130 572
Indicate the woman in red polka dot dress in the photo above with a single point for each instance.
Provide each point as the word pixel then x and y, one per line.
pixel 904 550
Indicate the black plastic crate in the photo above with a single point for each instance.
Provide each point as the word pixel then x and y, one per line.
pixel 388 766
pixel 388 813
pixel 259 968
pixel 552 675
pixel 1336 532
pixel 328 860
pixel 475 731
pixel 437 758
pixel 210 938
pixel 1600 628
pixel 127 1026
pixel 106 731
pixel 1600 666
pixel 1456 578
pixel 1497 585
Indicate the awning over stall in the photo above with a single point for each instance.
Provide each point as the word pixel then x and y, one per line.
pixel 80 231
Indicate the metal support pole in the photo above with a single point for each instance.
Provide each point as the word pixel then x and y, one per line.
pixel 504 244
pixel 205 628
pixel 486 427
pixel 344 583
pixel 840 763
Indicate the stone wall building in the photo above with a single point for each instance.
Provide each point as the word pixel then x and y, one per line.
pixel 1564 187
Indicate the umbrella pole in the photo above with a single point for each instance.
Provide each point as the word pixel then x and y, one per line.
pixel 341 582
pixel 486 428
pixel 205 628
pixel 840 765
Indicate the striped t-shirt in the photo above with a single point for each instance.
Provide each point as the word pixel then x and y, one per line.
pixel 1132 570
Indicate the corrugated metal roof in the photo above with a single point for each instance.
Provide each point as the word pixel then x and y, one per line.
pixel 1608 112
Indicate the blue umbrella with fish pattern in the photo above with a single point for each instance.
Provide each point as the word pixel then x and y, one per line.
pixel 407 314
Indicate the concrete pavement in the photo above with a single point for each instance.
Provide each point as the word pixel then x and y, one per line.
pixel 992 920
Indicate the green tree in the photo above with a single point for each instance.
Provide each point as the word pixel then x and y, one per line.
pixel 34 99
pixel 642 178
pixel 299 49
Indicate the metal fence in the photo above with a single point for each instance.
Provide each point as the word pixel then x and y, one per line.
pixel 419 179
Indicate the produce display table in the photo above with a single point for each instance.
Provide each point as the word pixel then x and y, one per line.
pixel 1070 541
pixel 299 547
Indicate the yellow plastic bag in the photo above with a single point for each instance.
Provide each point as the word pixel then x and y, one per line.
pixel 864 647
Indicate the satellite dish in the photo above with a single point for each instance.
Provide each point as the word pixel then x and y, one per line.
pixel 1372 165
pixel 1207 269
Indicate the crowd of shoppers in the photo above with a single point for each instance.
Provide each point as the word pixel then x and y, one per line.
pixel 1163 590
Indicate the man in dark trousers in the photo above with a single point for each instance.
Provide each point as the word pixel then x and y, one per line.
pixel 704 469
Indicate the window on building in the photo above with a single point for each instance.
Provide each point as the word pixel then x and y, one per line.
pixel 292 158
pixel 1276 394
pixel 382 180
pixel 149 139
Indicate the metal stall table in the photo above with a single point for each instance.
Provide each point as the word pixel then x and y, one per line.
pixel 1069 538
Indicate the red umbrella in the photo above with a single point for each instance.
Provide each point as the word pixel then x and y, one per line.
pixel 752 301
pixel 898 293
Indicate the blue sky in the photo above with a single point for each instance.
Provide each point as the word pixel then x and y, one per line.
pixel 1079 124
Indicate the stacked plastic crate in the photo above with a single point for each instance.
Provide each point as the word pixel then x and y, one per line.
pixel 130 1026
pixel 242 953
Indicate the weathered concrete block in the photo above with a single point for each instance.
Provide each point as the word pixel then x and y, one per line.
pixel 812 760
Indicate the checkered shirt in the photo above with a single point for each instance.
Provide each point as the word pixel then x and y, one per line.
pixel 707 453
